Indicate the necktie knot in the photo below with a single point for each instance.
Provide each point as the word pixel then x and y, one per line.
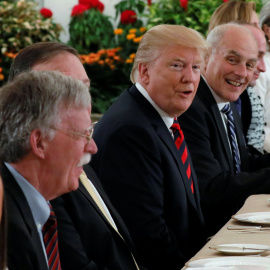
pixel 227 109
pixel 175 126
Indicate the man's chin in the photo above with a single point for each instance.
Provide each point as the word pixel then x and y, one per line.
pixel 252 83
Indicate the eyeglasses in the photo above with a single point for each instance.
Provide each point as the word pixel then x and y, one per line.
pixel 88 137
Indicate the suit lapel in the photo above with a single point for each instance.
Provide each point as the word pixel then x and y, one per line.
pixel 117 219
pixel 206 97
pixel 165 136
pixel 17 194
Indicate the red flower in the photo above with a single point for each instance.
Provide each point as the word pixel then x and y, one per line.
pixel 149 2
pixel 78 9
pixel 183 4
pixel 128 16
pixel 225 1
pixel 100 7
pixel 46 13
pixel 92 4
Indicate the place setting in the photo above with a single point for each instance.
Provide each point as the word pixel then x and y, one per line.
pixel 230 262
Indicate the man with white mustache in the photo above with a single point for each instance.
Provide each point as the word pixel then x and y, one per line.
pixel 39 125
pixel 227 173
pixel 89 239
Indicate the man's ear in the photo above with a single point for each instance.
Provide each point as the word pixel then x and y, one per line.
pixel 206 60
pixel 266 30
pixel 38 143
pixel 143 73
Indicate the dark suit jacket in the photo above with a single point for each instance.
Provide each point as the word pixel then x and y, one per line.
pixel 86 238
pixel 222 192
pixel 25 250
pixel 140 169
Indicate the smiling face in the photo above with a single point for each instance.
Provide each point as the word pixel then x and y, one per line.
pixel 230 67
pixel 64 153
pixel 172 80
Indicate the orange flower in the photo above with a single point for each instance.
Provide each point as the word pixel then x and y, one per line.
pixel 100 52
pixel 116 58
pixel 108 61
pixel 101 62
pixel 2 77
pixel 1 70
pixel 112 67
pixel 118 31
pixel 11 55
pixel 137 39
pixel 129 61
pixel 131 36
pixel 132 56
pixel 142 29
pixel 132 31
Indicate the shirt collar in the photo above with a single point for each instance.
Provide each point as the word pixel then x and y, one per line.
pixel 220 102
pixel 37 203
pixel 168 120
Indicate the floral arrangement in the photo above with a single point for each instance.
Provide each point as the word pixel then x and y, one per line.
pixel 21 25
pixel 109 69
pixel 89 29
pixel 108 72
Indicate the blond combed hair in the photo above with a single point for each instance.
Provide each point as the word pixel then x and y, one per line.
pixel 161 37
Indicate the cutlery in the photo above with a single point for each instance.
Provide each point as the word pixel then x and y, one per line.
pixel 243 248
pixel 236 228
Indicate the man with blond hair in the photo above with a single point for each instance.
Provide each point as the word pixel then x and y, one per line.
pixel 143 162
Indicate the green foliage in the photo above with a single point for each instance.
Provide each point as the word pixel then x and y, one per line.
pixel 107 84
pixel 136 5
pixel 196 16
pixel 91 31
pixel 21 25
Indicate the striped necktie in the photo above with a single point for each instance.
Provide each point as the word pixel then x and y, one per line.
pixel 231 133
pixel 181 146
pixel 50 238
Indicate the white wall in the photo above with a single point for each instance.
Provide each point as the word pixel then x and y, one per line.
pixel 62 9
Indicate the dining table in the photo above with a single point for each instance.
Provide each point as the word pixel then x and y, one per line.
pixel 254 203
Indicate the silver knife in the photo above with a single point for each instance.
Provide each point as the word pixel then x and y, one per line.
pixel 243 248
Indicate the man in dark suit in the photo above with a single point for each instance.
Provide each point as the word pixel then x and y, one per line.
pixel 39 114
pixel 226 177
pixel 102 245
pixel 87 239
pixel 138 161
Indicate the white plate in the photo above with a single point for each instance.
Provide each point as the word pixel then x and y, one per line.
pixel 239 250
pixel 256 217
pixel 238 262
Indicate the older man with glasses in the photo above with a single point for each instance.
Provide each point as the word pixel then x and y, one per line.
pixel 32 147
pixel 92 235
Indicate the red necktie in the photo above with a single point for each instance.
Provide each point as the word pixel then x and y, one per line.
pixel 181 146
pixel 50 238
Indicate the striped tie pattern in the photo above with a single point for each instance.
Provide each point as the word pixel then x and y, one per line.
pixel 231 133
pixel 181 146
pixel 50 238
